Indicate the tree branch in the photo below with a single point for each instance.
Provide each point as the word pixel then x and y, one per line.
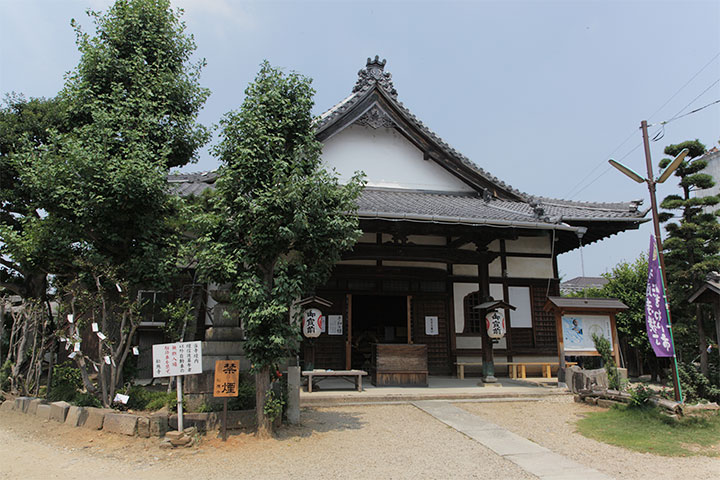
pixel 12 287
pixel 11 266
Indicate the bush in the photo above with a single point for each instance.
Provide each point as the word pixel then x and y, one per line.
pixel 602 345
pixel 640 395
pixel 5 372
pixel 696 387
pixel 66 383
pixel 143 399
pixel 85 399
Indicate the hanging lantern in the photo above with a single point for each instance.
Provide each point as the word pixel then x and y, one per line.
pixel 313 321
pixel 495 324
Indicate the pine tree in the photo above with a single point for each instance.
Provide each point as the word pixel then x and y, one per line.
pixel 691 247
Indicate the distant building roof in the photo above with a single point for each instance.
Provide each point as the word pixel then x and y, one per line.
pixel 578 284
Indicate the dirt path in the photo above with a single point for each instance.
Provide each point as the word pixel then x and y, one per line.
pixel 398 442
pixel 551 423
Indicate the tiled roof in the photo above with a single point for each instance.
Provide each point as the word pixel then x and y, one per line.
pixel 188 184
pixel 450 207
pixel 471 208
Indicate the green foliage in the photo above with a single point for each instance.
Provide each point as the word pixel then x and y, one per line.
pixel 28 243
pixel 602 345
pixel 84 399
pixel 646 430
pixel 5 372
pixel 136 86
pixel 278 221
pixel 627 282
pixel 639 395
pixel 142 398
pixel 274 405
pixel 691 248
pixel 696 387
pixel 244 401
pixel 66 383
pixel 177 314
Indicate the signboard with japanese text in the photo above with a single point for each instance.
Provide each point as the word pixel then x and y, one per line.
pixel 578 330
pixel 431 326
pixel 335 325
pixel 174 359
pixel 495 324
pixel 227 376
pixel 313 322
pixel 656 317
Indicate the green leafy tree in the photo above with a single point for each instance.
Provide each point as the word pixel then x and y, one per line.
pixel 691 248
pixel 28 244
pixel 627 282
pixel 132 104
pixel 277 222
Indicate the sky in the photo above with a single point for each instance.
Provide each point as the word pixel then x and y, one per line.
pixel 540 94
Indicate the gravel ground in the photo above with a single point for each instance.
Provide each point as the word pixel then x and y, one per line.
pixel 378 442
pixel 551 423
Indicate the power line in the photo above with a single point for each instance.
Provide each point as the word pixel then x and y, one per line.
pixel 691 112
pixel 608 169
pixel 677 115
pixel 685 85
pixel 574 191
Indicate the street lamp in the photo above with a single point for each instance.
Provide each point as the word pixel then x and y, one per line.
pixel 651 183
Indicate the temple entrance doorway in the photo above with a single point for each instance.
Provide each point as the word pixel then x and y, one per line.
pixel 376 319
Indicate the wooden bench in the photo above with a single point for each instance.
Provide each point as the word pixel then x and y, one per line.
pixel 344 374
pixel 513 368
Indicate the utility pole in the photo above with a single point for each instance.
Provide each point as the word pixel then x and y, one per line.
pixel 650 180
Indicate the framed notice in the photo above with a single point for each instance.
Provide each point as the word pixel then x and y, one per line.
pixel 335 325
pixel 578 331
pixel 174 359
pixel 431 326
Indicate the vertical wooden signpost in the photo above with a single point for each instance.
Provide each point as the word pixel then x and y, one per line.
pixel 227 376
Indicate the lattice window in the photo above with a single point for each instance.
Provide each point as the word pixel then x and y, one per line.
pixel 473 320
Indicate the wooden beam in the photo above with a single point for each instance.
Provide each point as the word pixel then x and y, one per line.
pixel 422 253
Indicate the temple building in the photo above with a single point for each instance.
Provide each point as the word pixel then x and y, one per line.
pixel 441 236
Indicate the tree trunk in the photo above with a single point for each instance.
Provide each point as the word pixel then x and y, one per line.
pixel 702 339
pixel 262 385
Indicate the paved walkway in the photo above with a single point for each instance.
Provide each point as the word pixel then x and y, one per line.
pixel 530 456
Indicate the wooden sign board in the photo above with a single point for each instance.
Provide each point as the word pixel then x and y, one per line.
pixel 227 376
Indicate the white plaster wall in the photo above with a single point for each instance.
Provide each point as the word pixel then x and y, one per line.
pixel 357 262
pixel 465 342
pixel 529 245
pixel 521 317
pixel 495 268
pixel 460 291
pixel 400 263
pixel 470 270
pixel 388 160
pixel 367 237
pixel 518 267
pixel 427 239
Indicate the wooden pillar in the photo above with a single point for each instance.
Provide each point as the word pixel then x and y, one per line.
pixel 616 340
pixel 409 319
pixel 488 363
pixel 348 343
pixel 506 298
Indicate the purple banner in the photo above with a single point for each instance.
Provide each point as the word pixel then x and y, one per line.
pixel 656 319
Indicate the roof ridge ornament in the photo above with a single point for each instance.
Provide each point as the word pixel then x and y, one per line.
pixel 374 74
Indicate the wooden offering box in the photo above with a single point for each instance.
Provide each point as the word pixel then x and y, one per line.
pixel 399 365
